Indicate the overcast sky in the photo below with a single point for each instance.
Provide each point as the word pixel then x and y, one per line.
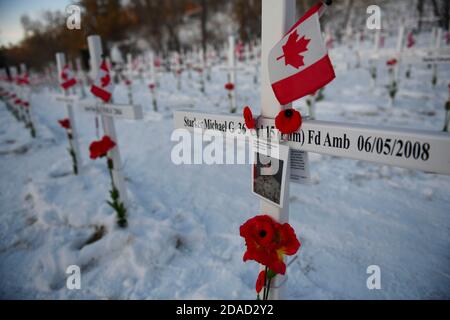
pixel 11 10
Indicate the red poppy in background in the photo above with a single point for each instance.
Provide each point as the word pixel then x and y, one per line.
pixel 268 241
pixel 127 82
pixel 248 117
pixel 26 104
pixel 151 86
pixel 288 121
pixel 99 149
pixel 260 281
pixel 391 62
pixel 65 123
pixel 229 86
pixel 17 101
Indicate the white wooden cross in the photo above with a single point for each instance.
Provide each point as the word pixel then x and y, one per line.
pixel 176 68
pixel 153 79
pixel 414 149
pixel 231 69
pixel 25 93
pixel 232 72
pixel 129 78
pixel 81 77
pixel 109 111
pixel 201 67
pixel 69 101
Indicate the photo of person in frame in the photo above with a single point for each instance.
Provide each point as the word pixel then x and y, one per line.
pixel 267 177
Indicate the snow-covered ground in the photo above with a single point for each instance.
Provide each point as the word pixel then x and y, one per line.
pixel 183 237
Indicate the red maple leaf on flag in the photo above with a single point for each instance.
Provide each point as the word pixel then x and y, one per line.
pixel 105 80
pixel 292 49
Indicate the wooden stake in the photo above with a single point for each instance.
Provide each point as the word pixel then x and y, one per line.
pixel 60 62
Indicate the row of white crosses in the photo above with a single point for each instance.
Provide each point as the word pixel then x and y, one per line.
pixel 9 92
pixel 19 92
pixel 107 111
pixel 413 149
pixel 433 55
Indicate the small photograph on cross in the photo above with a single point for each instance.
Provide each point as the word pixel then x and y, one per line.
pixel 268 178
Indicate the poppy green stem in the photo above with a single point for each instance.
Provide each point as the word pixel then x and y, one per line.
pixel 268 289
pixel 265 283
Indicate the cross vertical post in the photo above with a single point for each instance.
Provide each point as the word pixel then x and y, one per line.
pixel 60 62
pixel 437 46
pixel 401 35
pixel 277 17
pixel 129 77
pixel 232 72
pixel 109 129
pixel 17 111
pixel 26 104
pixel 81 77
pixel 22 92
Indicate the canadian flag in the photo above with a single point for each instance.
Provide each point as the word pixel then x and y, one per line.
pixel 103 86
pixel 299 64
pixel 411 40
pixel 23 79
pixel 67 78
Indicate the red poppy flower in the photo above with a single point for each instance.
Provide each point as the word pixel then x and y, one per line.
pixel 127 82
pixel 17 101
pixel 151 86
pixel 268 241
pixel 248 117
pixel 391 62
pixel 229 86
pixel 98 149
pixel 65 123
pixel 26 104
pixel 260 281
pixel 288 121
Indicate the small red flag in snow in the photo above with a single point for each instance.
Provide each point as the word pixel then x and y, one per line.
pixel 67 78
pixel 23 79
pixel 103 86
pixel 299 63
pixel 411 40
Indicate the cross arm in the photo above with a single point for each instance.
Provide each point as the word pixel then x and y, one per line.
pixel 427 151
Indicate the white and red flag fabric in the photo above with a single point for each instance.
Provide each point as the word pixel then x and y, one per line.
pixel 67 78
pixel 299 63
pixel 23 80
pixel 103 86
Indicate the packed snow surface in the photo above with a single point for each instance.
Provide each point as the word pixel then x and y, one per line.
pixel 183 239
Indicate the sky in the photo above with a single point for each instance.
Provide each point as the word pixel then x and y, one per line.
pixel 11 10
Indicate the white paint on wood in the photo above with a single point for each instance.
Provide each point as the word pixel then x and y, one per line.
pixel 60 62
pixel 109 129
